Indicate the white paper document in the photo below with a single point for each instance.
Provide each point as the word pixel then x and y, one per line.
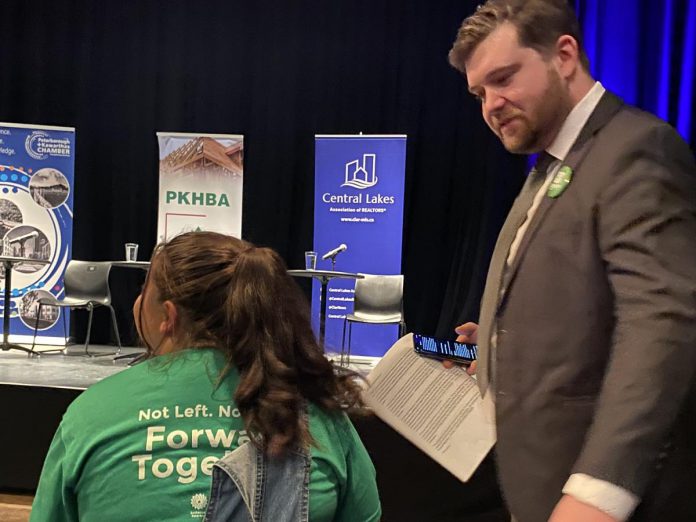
pixel 439 410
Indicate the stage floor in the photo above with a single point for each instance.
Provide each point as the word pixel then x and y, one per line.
pixel 74 371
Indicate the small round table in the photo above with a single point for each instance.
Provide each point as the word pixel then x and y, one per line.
pixel 324 276
pixel 143 265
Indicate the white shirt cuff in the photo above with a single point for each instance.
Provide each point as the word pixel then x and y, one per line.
pixel 610 498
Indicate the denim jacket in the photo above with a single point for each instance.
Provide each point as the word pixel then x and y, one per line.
pixel 249 486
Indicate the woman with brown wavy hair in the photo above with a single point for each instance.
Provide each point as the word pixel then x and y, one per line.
pixel 233 364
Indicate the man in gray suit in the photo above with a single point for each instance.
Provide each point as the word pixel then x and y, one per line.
pixel 588 321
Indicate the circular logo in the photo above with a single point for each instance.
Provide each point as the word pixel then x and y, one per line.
pixel 30 145
pixel 199 501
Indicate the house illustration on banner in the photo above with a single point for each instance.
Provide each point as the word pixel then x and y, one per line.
pixel 361 175
pixel 203 157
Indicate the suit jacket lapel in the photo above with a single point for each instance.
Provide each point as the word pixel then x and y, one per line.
pixel 607 107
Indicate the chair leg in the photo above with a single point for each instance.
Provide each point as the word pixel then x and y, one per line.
pixel 89 330
pixel 115 325
pixel 343 340
pixel 36 328
pixel 350 338
pixel 65 332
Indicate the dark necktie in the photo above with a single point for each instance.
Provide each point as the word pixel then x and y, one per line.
pixel 497 267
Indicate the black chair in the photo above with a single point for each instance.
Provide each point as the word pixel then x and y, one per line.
pixel 86 287
pixel 378 299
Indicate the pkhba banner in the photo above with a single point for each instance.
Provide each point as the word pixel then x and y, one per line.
pixel 201 180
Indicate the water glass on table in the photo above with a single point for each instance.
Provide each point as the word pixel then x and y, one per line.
pixel 131 252
pixel 310 260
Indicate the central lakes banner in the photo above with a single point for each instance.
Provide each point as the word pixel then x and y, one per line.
pixel 359 202
pixel 201 181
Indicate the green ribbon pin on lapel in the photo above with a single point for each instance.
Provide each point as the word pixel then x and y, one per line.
pixel 560 181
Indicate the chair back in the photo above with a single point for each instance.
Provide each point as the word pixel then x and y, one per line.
pixel 379 297
pixel 89 281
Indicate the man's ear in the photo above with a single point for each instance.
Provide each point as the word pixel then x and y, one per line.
pixel 567 55
pixel 171 318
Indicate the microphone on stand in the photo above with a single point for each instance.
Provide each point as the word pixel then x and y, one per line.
pixel 333 253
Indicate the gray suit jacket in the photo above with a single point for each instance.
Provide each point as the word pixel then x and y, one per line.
pixel 596 326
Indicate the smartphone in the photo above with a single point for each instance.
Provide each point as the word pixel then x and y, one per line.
pixel 462 353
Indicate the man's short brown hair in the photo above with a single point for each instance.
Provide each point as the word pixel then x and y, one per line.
pixel 539 24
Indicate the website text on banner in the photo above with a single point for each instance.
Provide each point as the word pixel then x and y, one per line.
pixel 359 202
pixel 201 181
pixel 36 216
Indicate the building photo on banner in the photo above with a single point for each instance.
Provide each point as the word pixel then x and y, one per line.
pixel 358 214
pixel 201 181
pixel 36 222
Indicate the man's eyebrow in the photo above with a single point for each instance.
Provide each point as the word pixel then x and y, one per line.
pixel 509 68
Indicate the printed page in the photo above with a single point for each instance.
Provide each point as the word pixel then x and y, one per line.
pixel 439 410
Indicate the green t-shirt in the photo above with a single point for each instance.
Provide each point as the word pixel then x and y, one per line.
pixel 140 445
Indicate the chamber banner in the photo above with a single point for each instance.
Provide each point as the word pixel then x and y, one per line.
pixel 359 202
pixel 36 217
pixel 201 178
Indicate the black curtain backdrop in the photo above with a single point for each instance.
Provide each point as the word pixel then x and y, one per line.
pixel 278 73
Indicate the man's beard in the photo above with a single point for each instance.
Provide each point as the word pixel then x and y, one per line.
pixel 547 116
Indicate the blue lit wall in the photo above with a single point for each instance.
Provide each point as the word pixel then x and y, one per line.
pixel 645 51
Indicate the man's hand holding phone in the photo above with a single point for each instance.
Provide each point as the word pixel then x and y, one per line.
pixel 443 349
pixel 467 333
